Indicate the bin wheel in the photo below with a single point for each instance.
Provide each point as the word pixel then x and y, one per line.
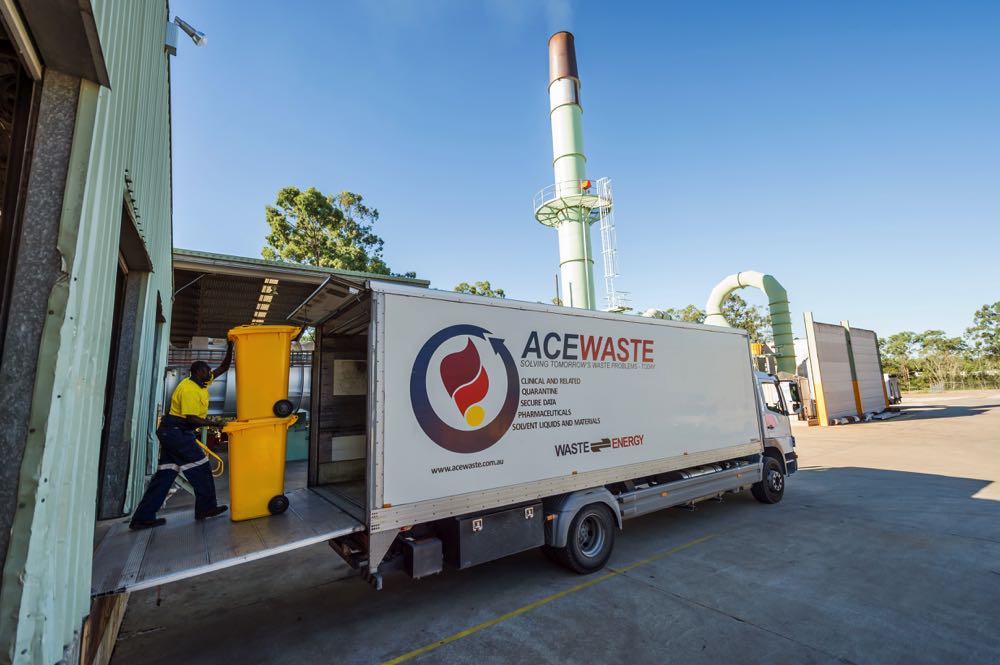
pixel 283 408
pixel 277 504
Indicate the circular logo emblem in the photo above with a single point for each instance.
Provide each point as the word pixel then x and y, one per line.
pixel 464 388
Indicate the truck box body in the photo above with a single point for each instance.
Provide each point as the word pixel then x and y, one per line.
pixel 477 403
pixel 461 429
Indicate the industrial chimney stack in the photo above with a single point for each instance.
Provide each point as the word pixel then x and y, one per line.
pixel 573 202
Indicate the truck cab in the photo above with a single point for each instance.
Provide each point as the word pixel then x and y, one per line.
pixel 775 410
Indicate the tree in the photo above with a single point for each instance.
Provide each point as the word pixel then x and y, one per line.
pixel 753 318
pixel 984 334
pixel 940 355
pixel 329 231
pixel 897 355
pixel 690 313
pixel 935 341
pixel 480 289
pixel 737 311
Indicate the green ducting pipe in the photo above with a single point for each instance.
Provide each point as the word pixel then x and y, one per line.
pixel 777 300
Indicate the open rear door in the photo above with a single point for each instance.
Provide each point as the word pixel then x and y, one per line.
pixel 332 296
pixel 127 560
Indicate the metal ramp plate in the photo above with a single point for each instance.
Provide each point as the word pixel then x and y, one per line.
pixel 127 560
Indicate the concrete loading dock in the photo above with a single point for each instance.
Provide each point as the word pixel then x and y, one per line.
pixel 886 552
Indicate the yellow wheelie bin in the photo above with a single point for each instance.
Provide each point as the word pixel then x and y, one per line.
pixel 262 358
pixel 257 466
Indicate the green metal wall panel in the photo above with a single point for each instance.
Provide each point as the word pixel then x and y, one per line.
pixel 121 148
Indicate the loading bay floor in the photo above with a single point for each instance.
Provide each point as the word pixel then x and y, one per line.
pixel 886 549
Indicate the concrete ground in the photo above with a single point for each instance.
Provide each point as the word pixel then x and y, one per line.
pixel 886 549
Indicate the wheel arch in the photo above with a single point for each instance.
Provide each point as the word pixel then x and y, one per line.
pixel 775 452
pixel 563 509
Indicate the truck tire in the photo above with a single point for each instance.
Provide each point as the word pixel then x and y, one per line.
pixel 590 540
pixel 771 487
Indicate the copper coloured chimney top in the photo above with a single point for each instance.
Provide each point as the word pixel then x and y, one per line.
pixel 562 57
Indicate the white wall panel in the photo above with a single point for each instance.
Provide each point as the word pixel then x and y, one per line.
pixel 835 370
pixel 864 344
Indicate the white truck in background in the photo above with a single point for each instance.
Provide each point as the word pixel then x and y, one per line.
pixel 458 429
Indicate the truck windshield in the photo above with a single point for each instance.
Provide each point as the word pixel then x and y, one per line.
pixel 772 398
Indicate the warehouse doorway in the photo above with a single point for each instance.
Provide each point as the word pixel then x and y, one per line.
pixel 17 111
pixel 120 391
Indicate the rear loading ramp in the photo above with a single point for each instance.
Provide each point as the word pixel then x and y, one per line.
pixel 127 560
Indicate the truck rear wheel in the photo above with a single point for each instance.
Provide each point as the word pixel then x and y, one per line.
pixel 590 540
pixel 771 487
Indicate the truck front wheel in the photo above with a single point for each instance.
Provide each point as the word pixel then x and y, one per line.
pixel 590 540
pixel 771 487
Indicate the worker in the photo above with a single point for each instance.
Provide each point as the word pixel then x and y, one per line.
pixel 179 450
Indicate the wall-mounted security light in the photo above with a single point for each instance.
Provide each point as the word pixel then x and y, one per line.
pixel 173 36
pixel 197 37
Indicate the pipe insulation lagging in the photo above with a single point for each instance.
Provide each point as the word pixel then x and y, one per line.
pixel 777 298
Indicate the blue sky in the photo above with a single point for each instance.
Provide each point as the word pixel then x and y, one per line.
pixel 851 149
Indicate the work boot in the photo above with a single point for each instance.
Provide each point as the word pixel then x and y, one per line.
pixel 136 525
pixel 218 510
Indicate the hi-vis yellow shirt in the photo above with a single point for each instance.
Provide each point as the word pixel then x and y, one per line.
pixel 189 399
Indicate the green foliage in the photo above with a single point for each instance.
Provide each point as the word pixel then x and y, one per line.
pixel 897 352
pixel 329 231
pixel 984 334
pixel 480 289
pixel 738 312
pixel 690 313
pixel 931 358
pixel 756 320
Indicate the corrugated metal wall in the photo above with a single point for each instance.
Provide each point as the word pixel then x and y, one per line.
pixel 835 370
pixel 864 345
pixel 125 130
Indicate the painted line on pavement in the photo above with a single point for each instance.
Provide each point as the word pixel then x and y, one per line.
pixel 615 572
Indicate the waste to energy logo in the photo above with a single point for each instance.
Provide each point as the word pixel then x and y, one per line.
pixel 458 391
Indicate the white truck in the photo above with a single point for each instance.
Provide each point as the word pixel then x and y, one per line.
pixel 458 429
pixel 448 429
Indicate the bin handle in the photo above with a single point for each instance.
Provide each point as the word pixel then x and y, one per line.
pixel 218 466
pixel 237 425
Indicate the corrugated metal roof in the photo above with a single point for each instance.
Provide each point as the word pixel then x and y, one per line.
pixel 216 292
pixel 184 255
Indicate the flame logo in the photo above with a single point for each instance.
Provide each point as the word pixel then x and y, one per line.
pixel 466 381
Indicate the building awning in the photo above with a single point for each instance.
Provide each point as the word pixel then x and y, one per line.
pixel 216 292
pixel 65 35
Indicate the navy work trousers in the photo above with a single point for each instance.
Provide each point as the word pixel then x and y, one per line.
pixel 179 453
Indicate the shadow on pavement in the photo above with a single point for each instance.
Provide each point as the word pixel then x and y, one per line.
pixel 863 552
pixel 944 410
